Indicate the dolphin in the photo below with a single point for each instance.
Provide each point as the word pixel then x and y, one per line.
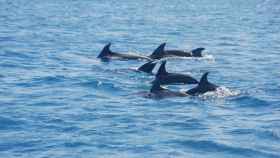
pixel 159 92
pixel 147 67
pixel 159 52
pixel 106 54
pixel 203 86
pixel 173 78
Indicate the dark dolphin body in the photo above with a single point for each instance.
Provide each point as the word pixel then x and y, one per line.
pixel 203 86
pixel 147 67
pixel 107 54
pixel 173 78
pixel 159 92
pixel 161 53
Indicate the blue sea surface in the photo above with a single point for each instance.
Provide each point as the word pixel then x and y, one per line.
pixel 58 100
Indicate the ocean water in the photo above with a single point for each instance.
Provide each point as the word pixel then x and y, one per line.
pixel 58 100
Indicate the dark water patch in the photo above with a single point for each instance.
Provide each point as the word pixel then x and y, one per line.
pixel 90 84
pixel 228 44
pixel 264 134
pixel 242 131
pixel 85 117
pixel 19 146
pixel 76 144
pixel 11 65
pixel 192 124
pixel 56 128
pixel 17 55
pixel 10 124
pixel 139 148
pixel 49 80
pixel 272 134
pixel 46 104
pixel 7 39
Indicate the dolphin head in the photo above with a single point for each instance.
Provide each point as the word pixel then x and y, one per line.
pixel 159 52
pixel 197 52
pixel 105 51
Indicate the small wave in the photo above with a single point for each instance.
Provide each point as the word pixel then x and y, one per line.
pixel 76 144
pixel 16 55
pixel 249 101
pixel 271 134
pixel 191 124
pixel 228 44
pixel 7 123
pixel 212 146
pixel 49 79
pixel 20 146
pixel 7 39
pixel 92 83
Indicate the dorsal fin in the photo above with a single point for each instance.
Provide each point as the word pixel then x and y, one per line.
pixel 197 52
pixel 148 67
pixel 159 52
pixel 204 80
pixel 105 51
pixel 162 69
pixel 156 86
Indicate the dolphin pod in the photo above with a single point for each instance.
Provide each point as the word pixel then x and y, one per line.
pixel 158 53
pixel 163 77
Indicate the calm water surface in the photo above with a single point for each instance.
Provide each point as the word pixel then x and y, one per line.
pixel 58 100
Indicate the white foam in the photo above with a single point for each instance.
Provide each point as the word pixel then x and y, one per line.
pixel 221 92
pixel 207 57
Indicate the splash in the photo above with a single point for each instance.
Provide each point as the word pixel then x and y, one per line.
pixel 221 92
pixel 206 57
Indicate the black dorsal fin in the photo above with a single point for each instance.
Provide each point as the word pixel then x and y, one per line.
pixel 148 67
pixel 162 69
pixel 156 86
pixel 105 51
pixel 159 52
pixel 204 80
pixel 197 52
